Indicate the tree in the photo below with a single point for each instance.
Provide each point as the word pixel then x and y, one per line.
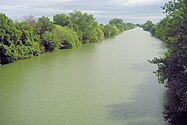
pixel 69 38
pixel 17 41
pixel 94 35
pixel 120 25
pixel 60 38
pixel 44 24
pixel 61 19
pixel 30 37
pixel 114 31
pixel 31 21
pixel 153 29
pixel 172 67
pixel 50 41
pixel 148 25
pixel 107 31
pixel 116 21
pixel 81 23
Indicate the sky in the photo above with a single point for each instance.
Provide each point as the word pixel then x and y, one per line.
pixel 135 11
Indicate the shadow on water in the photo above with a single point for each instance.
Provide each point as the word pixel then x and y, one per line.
pixel 147 107
pixel 123 111
pixel 170 103
pixel 143 67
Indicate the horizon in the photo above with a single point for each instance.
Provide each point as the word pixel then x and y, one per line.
pixel 129 10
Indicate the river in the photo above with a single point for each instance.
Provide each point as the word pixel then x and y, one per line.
pixel 110 83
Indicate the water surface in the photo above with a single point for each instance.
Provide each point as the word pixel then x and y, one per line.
pixel 110 83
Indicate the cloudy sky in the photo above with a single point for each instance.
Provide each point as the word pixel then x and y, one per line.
pixel 136 11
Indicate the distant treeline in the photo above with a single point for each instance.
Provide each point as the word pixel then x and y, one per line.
pixel 31 37
pixel 172 67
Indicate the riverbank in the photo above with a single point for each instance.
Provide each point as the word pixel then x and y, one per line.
pixel 32 37
pixel 172 66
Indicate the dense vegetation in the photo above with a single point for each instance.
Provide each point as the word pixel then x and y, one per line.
pixel 172 67
pixel 31 37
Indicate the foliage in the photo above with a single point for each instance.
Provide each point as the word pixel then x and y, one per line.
pixel 172 67
pixel 59 38
pixel 61 19
pixel 168 28
pixel 82 23
pixel 17 41
pixel 50 41
pixel 148 25
pixel 153 29
pixel 94 35
pixel 69 38
pixel 31 21
pixel 33 36
pixel 116 21
pixel 129 26
pixel 110 31
pixel 44 24
pixel 120 25
pixel 107 31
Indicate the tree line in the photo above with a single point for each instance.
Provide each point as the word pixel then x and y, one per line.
pixel 172 66
pixel 31 37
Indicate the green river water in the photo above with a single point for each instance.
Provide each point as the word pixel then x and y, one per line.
pixel 110 83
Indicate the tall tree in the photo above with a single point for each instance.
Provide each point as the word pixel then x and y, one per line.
pixel 30 20
pixel 61 19
pixel 116 21
pixel 148 25
pixel 172 67
pixel 44 24
pixel 17 40
pixel 81 23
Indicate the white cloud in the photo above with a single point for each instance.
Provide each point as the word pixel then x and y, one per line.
pixel 134 2
pixel 103 10
pixel 44 1
pixel 51 1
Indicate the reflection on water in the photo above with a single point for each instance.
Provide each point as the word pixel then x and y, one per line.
pixel 144 109
pixel 144 67
pixel 123 111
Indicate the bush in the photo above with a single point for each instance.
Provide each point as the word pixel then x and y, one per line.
pixel 60 38
pixel 17 41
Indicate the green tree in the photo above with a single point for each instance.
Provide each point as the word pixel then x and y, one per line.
pixel 94 35
pixel 61 19
pixel 17 41
pixel 30 37
pixel 50 41
pixel 81 23
pixel 120 25
pixel 107 31
pixel 153 29
pixel 69 38
pixel 110 31
pixel 114 31
pixel 148 25
pixel 60 38
pixel 116 21
pixel 44 24
pixel 172 67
